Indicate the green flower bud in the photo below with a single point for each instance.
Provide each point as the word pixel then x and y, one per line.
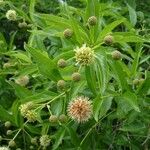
pixel 135 81
pixel 12 143
pixel 9 132
pixel 22 25
pixel 141 80
pixel 63 118
pixel 108 39
pixel 7 124
pixel 68 33
pixel 92 21
pixel 116 55
pixel 34 140
pixel 53 119
pixel 23 80
pixel 62 63
pixel 76 76
pixel 31 147
pixel 61 84
pixel 11 15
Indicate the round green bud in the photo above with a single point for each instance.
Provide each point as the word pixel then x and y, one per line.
pixel 18 149
pixel 108 39
pixel 22 25
pixel 63 118
pixel 68 33
pixel 61 84
pixel 12 143
pixel 34 141
pixel 9 132
pixel 53 119
pixel 141 80
pixel 116 55
pixel 61 63
pixel 135 81
pixel 76 76
pixel 31 147
pixel 7 124
pixel 11 15
pixel 92 21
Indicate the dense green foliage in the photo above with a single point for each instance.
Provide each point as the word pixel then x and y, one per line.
pixel 53 53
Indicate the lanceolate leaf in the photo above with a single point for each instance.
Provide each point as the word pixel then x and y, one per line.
pixel 46 66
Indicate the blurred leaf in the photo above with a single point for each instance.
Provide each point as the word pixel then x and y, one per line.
pixel 132 15
pixel 131 98
pixel 58 138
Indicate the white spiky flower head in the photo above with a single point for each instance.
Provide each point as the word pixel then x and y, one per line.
pixel 80 109
pixel 11 15
pixel 84 55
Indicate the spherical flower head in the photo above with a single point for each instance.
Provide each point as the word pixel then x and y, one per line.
pixel 24 108
pixel 53 119
pixel 34 141
pixel 31 116
pixel 84 55
pixel 61 63
pixel 135 81
pixel 61 84
pixel 9 132
pixel 80 109
pixel 12 143
pixel 63 118
pixel 68 33
pixel 11 15
pixel 108 39
pixel 23 81
pixel 22 25
pixel 4 148
pixel 45 140
pixel 92 21
pixel 7 124
pixel 116 55
pixel 76 76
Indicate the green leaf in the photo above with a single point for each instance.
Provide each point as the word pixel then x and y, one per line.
pixel 132 15
pixel 91 78
pixel 120 74
pixel 5 115
pixel 58 138
pixel 131 99
pixel 20 91
pixel 108 28
pixel 16 113
pixel 46 66
pixel 97 103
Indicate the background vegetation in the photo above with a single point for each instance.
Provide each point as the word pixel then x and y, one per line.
pixel 116 82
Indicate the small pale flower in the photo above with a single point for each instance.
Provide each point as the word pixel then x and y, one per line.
pixel 4 148
pixel 11 15
pixel 45 140
pixel 31 116
pixel 80 109
pixel 84 55
pixel 24 108
pixel 23 81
